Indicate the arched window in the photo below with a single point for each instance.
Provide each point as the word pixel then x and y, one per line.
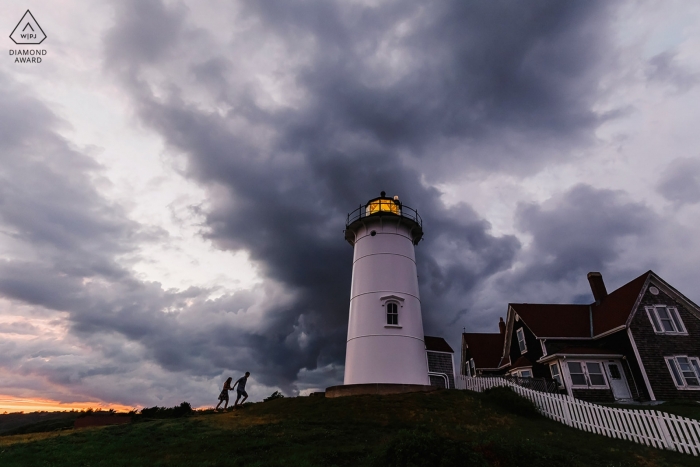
pixel 392 313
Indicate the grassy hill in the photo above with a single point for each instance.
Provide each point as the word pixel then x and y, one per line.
pixel 450 428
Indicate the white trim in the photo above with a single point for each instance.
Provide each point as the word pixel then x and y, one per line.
pixel 641 365
pixel 388 335
pixel 386 301
pixel 544 348
pixel 509 332
pixel 666 289
pixel 519 332
pixel 638 301
pixel 685 386
pixel 439 351
pixel 443 375
pixel 591 356
pixel 560 383
pixel 586 374
pixel 683 331
pixel 386 298
pixel 610 331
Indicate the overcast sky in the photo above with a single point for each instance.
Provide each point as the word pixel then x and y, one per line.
pixel 175 176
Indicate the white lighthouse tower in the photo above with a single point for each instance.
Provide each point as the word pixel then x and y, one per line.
pixel 385 329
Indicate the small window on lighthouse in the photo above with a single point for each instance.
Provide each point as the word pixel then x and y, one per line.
pixel 392 313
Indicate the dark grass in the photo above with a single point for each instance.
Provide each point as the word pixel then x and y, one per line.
pixel 455 428
pixel 20 423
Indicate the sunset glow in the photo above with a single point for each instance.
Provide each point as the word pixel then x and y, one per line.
pixel 11 404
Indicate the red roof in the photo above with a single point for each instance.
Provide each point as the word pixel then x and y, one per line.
pixel 437 344
pixel 617 306
pixel 546 320
pixel 485 349
pixel 521 362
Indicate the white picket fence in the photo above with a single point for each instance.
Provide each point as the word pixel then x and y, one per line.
pixel 651 427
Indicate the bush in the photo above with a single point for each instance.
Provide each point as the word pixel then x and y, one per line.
pixel 505 398
pixel 273 396
pixel 420 449
pixel 163 412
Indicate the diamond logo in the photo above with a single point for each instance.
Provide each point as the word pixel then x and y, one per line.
pixel 28 31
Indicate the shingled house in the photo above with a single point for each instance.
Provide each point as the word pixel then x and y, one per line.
pixel 640 342
pixel 440 362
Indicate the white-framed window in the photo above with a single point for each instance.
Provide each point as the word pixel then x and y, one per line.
pixel 665 319
pixel 556 373
pixel 587 374
pixel 525 373
pixel 685 371
pixel 521 340
pixel 392 314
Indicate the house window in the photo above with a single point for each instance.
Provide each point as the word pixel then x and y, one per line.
pixel 556 374
pixel 578 377
pixel 586 374
pixel 392 314
pixel 595 374
pixel 526 374
pixel 685 371
pixel 521 340
pixel 665 320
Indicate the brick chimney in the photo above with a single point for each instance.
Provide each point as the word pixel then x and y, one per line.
pixel 597 286
pixel 502 326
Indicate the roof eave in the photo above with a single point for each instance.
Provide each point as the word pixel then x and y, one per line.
pixel 556 356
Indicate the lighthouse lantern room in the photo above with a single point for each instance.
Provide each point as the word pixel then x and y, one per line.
pixel 385 328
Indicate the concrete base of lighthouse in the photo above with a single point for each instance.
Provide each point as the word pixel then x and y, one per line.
pixel 376 388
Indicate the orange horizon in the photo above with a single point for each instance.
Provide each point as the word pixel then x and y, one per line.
pixel 12 404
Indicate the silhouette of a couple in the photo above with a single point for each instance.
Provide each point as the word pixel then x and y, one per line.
pixel 227 387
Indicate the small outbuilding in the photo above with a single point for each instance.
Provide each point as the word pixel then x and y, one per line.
pixel 441 367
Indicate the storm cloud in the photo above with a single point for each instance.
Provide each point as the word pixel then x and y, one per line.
pixel 283 176
pixel 288 115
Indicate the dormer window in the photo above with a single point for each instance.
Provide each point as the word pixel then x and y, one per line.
pixel 521 340
pixel 665 319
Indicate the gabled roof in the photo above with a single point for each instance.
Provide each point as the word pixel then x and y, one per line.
pixel 582 321
pixel 545 320
pixel 437 344
pixel 484 348
pixel 617 306
pixel 521 362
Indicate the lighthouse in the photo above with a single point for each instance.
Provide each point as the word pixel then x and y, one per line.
pixel 385 328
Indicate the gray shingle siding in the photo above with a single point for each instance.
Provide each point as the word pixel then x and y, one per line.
pixel 439 362
pixel 654 347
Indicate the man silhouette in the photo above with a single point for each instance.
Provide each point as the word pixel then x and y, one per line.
pixel 241 388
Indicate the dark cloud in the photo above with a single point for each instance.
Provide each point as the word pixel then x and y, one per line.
pixel 680 182
pixel 584 229
pixel 392 97
pixel 281 178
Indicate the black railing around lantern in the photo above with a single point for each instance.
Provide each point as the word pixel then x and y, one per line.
pixel 384 206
